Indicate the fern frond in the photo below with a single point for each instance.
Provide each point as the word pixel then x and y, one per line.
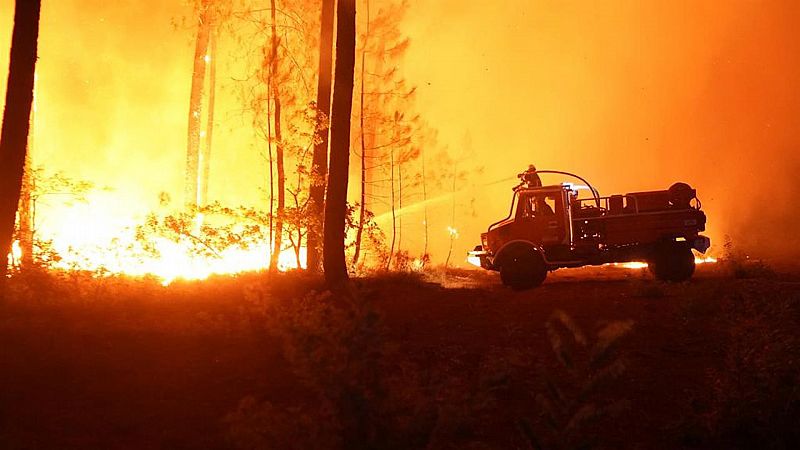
pixel 555 393
pixel 584 415
pixel 608 373
pixel 570 325
pixel 527 430
pixel 607 339
pixel 563 351
pixel 556 343
pixel 547 413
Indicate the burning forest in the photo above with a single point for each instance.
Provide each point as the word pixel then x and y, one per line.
pixel 256 98
pixel 377 224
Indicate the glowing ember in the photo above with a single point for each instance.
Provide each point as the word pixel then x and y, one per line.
pixel 16 253
pixel 705 260
pixel 476 261
pixel 643 265
pixel 631 265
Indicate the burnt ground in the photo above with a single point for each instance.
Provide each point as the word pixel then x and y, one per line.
pixel 443 361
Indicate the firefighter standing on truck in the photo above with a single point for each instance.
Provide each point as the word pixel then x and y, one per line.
pixel 530 177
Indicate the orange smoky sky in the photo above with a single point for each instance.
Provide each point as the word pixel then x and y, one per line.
pixel 632 95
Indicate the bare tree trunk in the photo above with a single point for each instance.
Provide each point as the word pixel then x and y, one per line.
pixel 271 167
pixel 281 188
pixel 16 119
pixel 271 177
pixel 452 215
pixel 205 156
pixel 299 228
pixel 394 209
pixel 196 105
pixel 400 204
pixel 373 127
pixel 425 203
pixel 336 200
pixel 276 99
pixel 297 249
pixel 25 216
pixel 363 206
pixel 26 223
pixel 319 165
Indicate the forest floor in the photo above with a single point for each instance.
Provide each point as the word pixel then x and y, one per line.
pixel 446 360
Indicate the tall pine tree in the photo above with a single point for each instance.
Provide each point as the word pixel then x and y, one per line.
pixel 16 119
pixel 336 199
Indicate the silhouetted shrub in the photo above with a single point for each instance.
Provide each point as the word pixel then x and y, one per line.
pixel 335 346
pixel 741 266
pixel 264 426
pixel 649 289
pixel 570 404
pixel 757 391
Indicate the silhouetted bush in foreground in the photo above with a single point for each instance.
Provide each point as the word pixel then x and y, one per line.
pixel 757 392
pixel 335 347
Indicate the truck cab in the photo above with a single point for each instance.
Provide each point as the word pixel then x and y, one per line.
pixel 538 215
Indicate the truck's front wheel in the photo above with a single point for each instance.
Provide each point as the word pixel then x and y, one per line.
pixel 524 269
pixel 672 262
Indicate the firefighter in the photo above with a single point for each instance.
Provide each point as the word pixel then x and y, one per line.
pixel 530 177
pixel 542 208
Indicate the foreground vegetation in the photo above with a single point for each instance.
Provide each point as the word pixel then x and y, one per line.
pixel 599 358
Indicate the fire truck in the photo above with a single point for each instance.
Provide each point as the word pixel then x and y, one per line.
pixel 556 226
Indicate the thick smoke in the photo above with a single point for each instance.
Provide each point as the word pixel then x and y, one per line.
pixel 634 95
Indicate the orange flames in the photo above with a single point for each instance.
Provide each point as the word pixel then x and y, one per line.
pixel 475 261
pixel 643 265
pixel 106 247
pixel 175 261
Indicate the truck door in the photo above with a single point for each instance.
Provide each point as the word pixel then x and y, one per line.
pixel 542 218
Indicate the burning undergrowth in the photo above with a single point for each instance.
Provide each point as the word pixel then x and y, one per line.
pixel 198 242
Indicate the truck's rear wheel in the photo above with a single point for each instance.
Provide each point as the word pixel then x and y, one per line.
pixel 672 262
pixel 523 269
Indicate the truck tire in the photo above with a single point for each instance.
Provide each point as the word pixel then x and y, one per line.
pixel 523 269
pixel 672 262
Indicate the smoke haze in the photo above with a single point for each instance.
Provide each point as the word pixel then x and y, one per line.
pixel 632 95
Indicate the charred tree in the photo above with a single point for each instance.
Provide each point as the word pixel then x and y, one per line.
pixel 279 160
pixel 336 199
pixel 25 208
pixel 205 155
pixel 26 214
pixel 319 165
pixel 452 229
pixel 191 193
pixel 363 203
pixel 16 119
pixel 386 131
pixel 400 203
pixel 425 206
pixel 394 208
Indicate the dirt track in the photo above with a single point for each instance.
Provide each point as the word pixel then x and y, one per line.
pixel 132 367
